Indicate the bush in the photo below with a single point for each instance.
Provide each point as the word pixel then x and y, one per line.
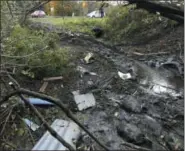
pixel 35 53
pixel 122 22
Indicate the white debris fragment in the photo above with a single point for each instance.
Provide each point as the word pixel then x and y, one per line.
pixel 124 76
pixel 84 101
pixel 116 114
pixel 30 124
pixel 84 71
pixel 88 57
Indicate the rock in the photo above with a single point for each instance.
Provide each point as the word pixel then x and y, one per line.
pixel 131 133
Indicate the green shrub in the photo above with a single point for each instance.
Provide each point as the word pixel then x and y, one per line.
pixel 123 22
pixel 37 54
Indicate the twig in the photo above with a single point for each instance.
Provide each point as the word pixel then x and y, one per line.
pixel 23 65
pixel 11 145
pixel 32 139
pixel 9 7
pixel 149 54
pixel 7 118
pixel 25 56
pixel 32 9
pixel 135 146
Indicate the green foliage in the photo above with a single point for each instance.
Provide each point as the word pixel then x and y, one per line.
pixel 37 53
pixel 75 24
pixel 122 22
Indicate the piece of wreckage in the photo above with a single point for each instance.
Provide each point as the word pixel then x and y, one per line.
pixel 160 80
pixel 68 130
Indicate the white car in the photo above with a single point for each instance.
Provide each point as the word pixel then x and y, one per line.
pixel 38 13
pixel 95 14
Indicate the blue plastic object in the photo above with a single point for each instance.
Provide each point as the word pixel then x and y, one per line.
pixel 36 101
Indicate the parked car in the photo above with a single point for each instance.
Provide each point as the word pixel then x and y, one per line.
pixel 95 14
pixel 38 13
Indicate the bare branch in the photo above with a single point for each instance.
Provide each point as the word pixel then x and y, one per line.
pixel 25 56
pixel 9 7
pixel 135 146
pixel 7 118
pixel 32 9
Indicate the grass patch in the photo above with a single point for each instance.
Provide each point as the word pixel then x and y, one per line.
pixel 75 24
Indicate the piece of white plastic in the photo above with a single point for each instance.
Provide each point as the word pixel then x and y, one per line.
pixel 84 101
pixel 31 124
pixel 124 76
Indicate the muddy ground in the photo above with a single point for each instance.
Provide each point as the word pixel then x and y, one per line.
pixel 125 110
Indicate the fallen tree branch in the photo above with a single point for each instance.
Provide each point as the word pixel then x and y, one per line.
pixel 46 125
pixel 149 54
pixel 33 9
pixel 166 11
pixel 25 56
pixel 50 99
pixel 58 103
pixel 135 146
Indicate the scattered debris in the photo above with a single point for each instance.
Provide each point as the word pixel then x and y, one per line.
pixel 124 76
pixel 84 101
pixel 36 101
pixel 46 80
pixel 68 130
pixel 53 78
pixel 89 58
pixel 43 87
pixel 84 71
pixel 31 124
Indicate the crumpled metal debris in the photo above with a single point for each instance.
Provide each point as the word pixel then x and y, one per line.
pixel 68 130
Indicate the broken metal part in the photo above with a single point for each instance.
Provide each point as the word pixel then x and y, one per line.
pixel 68 130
